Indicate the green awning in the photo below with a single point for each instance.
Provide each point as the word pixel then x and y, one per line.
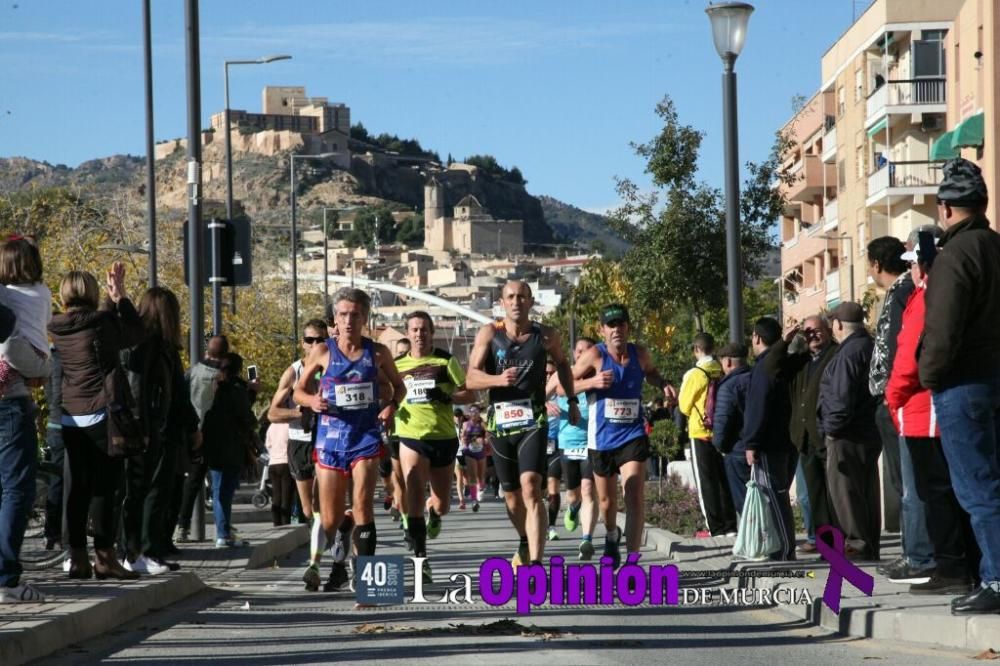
pixel 969 132
pixel 941 149
pixel 878 127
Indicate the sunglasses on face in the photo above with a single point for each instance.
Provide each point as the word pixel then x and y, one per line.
pixel 309 340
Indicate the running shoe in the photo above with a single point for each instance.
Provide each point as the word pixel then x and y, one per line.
pixel 612 547
pixel 311 578
pixel 433 524
pixel 571 518
pixel 387 502
pixel 475 507
pixel 586 550
pixel 394 514
pixel 425 573
pixel 552 535
pixel 522 556
pixel 461 505
pixel 338 577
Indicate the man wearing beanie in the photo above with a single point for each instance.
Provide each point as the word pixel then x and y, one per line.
pixel 959 360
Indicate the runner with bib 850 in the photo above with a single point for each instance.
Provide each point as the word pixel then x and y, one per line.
pixel 509 360
pixel 359 390
pixel 612 374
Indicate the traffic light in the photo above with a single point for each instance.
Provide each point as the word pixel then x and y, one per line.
pixel 236 254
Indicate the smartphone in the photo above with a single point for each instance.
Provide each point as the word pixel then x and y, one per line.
pixel 252 373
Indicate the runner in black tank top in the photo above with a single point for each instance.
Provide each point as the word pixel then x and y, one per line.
pixel 509 360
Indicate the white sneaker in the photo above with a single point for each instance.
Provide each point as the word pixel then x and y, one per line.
pixel 146 566
pixel 20 594
pixel 67 563
pixel 339 550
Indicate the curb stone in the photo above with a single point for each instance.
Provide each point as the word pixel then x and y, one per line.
pixel 68 618
pixel 865 617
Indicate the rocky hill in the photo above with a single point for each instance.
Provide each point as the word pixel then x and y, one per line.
pixel 261 185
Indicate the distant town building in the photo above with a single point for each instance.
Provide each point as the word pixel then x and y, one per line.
pixel 470 230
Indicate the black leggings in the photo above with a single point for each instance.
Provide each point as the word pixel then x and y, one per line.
pixel 94 477
pixel 282 492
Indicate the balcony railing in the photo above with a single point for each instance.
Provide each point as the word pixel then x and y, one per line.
pixel 830 144
pixel 830 211
pixel 906 92
pixel 833 285
pixel 905 174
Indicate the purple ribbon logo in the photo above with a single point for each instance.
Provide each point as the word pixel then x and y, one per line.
pixel 840 568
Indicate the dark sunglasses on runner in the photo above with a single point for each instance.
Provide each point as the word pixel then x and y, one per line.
pixel 309 340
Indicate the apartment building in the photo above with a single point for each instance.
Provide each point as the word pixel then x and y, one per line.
pixel 863 149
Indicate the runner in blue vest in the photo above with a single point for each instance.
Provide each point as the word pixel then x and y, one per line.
pixel 359 390
pixel 612 374
pixel 577 470
pixel 508 359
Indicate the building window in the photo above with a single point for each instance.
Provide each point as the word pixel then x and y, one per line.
pixel 859 85
pixel 841 176
pixel 841 101
pixel 859 160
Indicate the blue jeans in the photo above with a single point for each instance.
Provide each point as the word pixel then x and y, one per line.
pixel 224 484
pixel 802 495
pixel 970 432
pixel 917 546
pixel 18 463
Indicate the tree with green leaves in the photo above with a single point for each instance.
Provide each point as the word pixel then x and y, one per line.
pixel 366 222
pixel 677 232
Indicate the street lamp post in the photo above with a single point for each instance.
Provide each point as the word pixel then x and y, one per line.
pixel 216 259
pixel 295 250
pixel 147 50
pixel 729 28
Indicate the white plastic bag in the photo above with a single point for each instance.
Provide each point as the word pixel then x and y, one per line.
pixel 757 536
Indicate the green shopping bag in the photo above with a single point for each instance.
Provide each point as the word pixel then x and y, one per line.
pixel 757 535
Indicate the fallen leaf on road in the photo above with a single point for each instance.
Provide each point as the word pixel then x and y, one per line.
pixel 369 629
pixel 989 654
pixel 246 606
pixel 504 627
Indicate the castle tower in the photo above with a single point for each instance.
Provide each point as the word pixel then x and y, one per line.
pixel 436 227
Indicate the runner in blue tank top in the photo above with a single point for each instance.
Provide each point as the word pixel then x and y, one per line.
pixel 577 470
pixel 359 389
pixel 612 374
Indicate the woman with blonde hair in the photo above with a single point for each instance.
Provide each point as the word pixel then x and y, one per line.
pixel 89 341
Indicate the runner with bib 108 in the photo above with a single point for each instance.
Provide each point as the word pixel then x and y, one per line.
pixel 508 359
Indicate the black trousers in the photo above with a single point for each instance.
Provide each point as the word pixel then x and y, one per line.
pixel 146 510
pixel 852 477
pixel 777 469
pixel 955 549
pixel 813 458
pixel 55 526
pixel 94 481
pixel 192 484
pixel 893 493
pixel 713 487
pixel 282 492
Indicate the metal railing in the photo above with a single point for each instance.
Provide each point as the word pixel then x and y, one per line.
pixel 907 92
pixel 905 174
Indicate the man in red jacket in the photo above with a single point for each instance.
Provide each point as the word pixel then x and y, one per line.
pixel 955 551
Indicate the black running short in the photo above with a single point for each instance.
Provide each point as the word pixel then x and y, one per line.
pixel 392 443
pixel 441 452
pixel 609 463
pixel 460 459
pixel 300 459
pixel 385 467
pixel 574 471
pixel 518 453
pixel 554 468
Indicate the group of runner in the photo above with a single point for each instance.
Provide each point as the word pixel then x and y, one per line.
pixel 546 418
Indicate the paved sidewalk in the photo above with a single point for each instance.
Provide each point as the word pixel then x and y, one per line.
pixel 78 610
pixel 891 613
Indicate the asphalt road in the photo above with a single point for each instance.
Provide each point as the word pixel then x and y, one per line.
pixel 266 617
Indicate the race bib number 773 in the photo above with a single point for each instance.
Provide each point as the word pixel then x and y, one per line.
pixel 621 411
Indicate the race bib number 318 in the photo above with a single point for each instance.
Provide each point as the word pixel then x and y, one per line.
pixel 354 396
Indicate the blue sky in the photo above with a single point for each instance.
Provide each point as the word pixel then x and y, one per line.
pixel 557 88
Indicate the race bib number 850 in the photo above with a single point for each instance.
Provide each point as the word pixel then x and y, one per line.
pixel 514 414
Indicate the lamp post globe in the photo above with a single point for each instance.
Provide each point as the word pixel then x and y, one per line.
pixel 729 26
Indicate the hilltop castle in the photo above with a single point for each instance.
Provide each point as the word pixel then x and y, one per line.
pixel 472 230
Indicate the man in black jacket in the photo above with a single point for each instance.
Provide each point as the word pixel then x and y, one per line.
pixel 730 404
pixel 960 362
pixel 806 370
pixel 765 428
pixel 846 416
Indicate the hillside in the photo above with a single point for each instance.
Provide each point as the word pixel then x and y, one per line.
pixel 261 186
pixel 574 224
